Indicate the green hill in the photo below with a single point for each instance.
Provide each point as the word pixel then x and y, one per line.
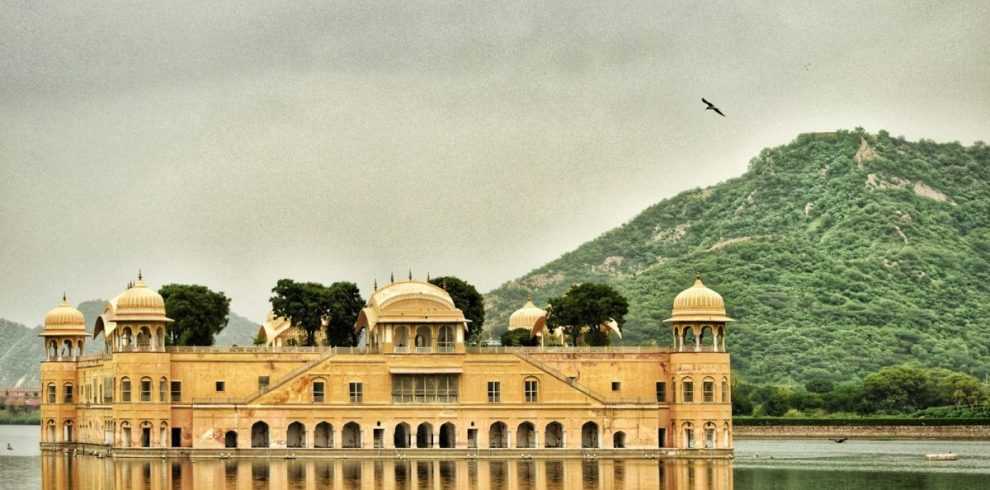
pixel 838 253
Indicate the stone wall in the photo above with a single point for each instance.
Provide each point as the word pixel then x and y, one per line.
pixel 979 432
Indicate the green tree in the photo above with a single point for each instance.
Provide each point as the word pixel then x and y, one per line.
pixel 344 305
pixel 586 306
pixel 951 387
pixel 777 403
pixel 310 305
pixel 899 389
pixel 467 298
pixel 518 337
pixel 199 313
pixel 819 385
pixel 304 304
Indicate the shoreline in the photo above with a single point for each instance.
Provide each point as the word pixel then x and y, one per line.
pixel 953 432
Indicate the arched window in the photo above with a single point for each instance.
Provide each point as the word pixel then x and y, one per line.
pixel 162 389
pixel 67 393
pixel 51 394
pixel 51 430
pixel 688 431
pixel 146 389
pixel 725 390
pixel 619 440
pixel 401 339
pixel 126 337
pixel 125 389
pixel 125 434
pixel 707 336
pixel 708 390
pixel 688 340
pixel 319 390
pixel 67 436
pixel 709 435
pixel 687 390
pixel 531 390
pixel 424 340
pixel 144 337
pixel 230 439
pixel 445 342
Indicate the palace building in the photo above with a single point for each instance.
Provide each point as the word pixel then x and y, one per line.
pixel 414 384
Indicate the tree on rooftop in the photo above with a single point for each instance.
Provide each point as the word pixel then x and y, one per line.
pixel 199 313
pixel 586 306
pixel 304 304
pixel 309 305
pixel 467 298
pixel 344 305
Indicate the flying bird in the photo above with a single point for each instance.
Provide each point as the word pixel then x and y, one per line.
pixel 712 107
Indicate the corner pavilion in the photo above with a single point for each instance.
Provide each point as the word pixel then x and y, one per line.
pixel 414 385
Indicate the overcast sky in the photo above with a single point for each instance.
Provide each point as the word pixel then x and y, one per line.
pixel 231 144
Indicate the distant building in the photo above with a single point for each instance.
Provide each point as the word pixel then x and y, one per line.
pixel 20 397
pixel 415 384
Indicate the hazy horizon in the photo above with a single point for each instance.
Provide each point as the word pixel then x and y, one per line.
pixel 232 145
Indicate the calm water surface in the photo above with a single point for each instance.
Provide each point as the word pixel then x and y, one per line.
pixel 791 464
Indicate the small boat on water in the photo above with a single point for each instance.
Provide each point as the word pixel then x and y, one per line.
pixel 9 447
pixel 941 457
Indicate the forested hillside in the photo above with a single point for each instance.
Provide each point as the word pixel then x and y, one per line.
pixel 838 254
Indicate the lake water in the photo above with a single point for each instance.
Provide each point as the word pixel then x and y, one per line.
pixel 759 464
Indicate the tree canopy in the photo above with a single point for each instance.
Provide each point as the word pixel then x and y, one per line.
pixel 844 251
pixel 586 305
pixel 309 304
pixel 467 298
pixel 199 313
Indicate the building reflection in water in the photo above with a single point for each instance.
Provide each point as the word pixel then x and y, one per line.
pixel 63 472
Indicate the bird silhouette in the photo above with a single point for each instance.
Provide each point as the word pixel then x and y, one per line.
pixel 712 107
pixel 840 439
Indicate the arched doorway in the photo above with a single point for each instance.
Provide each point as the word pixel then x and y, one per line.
pixel 424 435
pixel 295 436
pixel 67 436
pixel 619 440
pixel 498 435
pixel 401 436
pixel 259 434
pixel 51 430
pixel 589 435
pixel 323 435
pixel 448 436
pixel 526 436
pixel 351 435
pixel 554 435
pixel 230 439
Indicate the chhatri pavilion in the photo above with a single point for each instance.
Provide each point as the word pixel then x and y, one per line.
pixel 413 385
